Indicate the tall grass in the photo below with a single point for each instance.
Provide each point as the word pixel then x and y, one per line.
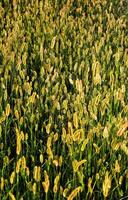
pixel 63 99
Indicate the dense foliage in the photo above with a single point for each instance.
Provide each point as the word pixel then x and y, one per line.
pixel 63 99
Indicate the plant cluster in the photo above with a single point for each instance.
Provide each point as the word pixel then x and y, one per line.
pixel 63 99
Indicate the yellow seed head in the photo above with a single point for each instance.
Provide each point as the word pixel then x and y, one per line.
pixel 21 120
pixel 97 78
pixel 117 167
pixel 18 164
pixel 69 139
pixel 105 132
pixel 27 171
pixel 50 153
pixel 96 148
pixel 22 136
pixel 34 188
pixel 28 87
pixel 32 98
pixel 12 196
pixel 12 177
pixel 124 148
pixel 65 192
pixel 18 141
pixel 14 3
pixel 55 137
pixel 78 135
pixel 18 147
pixel 16 114
pixel 79 86
pixel 122 129
pixel 49 141
pixel 56 182
pixel 41 158
pixel 46 183
pixel 106 184
pixel 90 185
pixel 23 162
pixel 37 173
pixel 74 193
pixel 64 135
pixel 7 111
pixel 76 164
pixel 48 128
pixel 120 180
pixel 2 183
pixel 85 142
pixel 75 120
pixel 97 176
pixel 70 128
pixel 56 163
pixel 53 42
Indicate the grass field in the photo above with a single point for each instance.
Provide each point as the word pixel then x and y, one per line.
pixel 64 99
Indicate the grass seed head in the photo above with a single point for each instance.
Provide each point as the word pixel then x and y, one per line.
pixel 12 177
pixel 37 173
pixel 34 187
pixel 23 162
pixel 46 183
pixel 8 110
pixel 2 183
pixel 56 182
pixel 75 120
pixel 12 196
pixel 18 165
pixel 106 184
pixel 90 189
pixel 74 193
pixel 41 158
pixel 16 114
pixel 27 171
pixel 76 164
pixel 117 167
pixel 124 148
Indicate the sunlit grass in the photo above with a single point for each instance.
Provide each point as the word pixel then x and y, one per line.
pixel 63 100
